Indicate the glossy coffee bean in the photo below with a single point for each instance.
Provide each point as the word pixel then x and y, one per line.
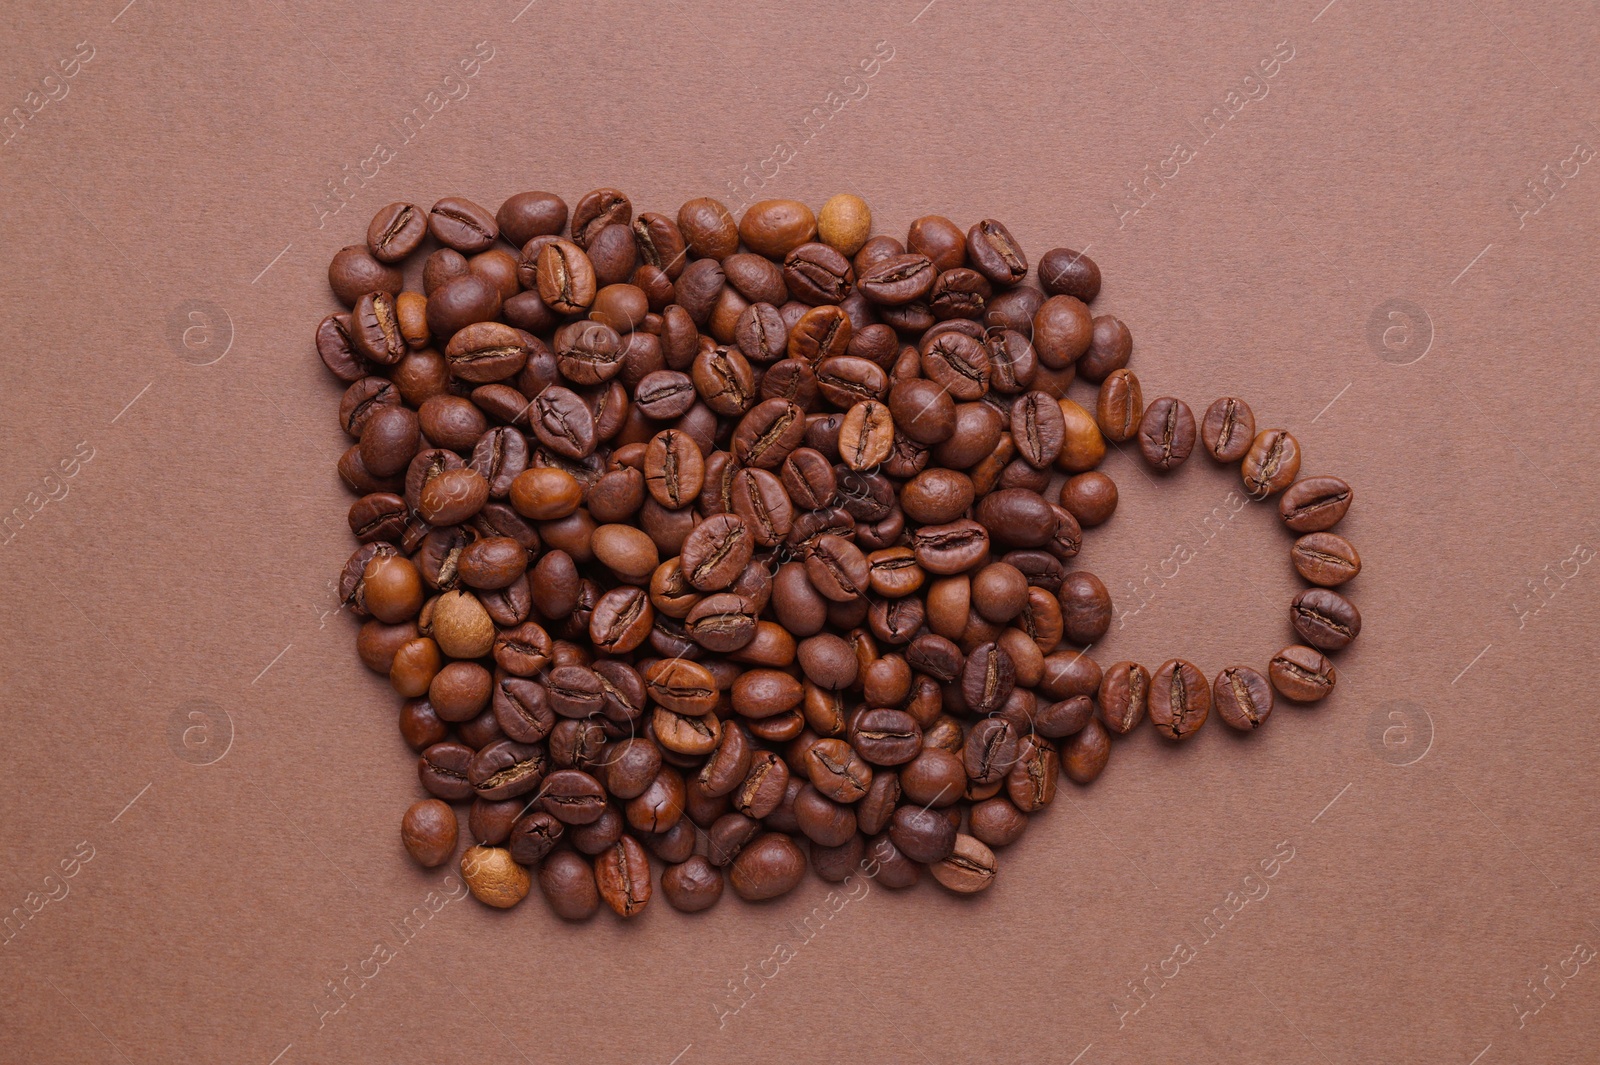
pixel 1325 558
pixel 1314 504
pixel 1064 272
pixel 1302 674
pixel 429 832
pixel 1271 463
pixel 1179 700
pixel 767 867
pixel 1325 619
pixel 1166 433
pixel 1228 428
pixel 1242 697
pixel 1124 694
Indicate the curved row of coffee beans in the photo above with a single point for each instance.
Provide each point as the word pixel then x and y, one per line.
pixel 718 546
pixel 1177 696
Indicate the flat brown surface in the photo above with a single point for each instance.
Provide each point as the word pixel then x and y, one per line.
pixel 183 703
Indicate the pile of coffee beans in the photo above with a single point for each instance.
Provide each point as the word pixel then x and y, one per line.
pixel 705 549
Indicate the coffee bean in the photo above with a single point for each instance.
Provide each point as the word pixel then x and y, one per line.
pixel 1302 674
pixel 1243 698
pixel 1110 348
pixel 922 835
pixel 1167 432
pixel 459 223
pixel 1090 497
pixel 692 886
pixel 1314 504
pixel 995 253
pixel 1064 272
pixel 530 214
pixel 774 228
pixel 493 877
pixel 1271 463
pixel 429 832
pixel 1123 695
pixel 968 868
pixel 1228 429
pixel 442 769
pixel 1120 406
pixel 816 274
pixel 1325 619
pixel 1085 754
pixel 622 876
pixel 1325 558
pixel 769 866
pixel 354 273
pixel 1180 699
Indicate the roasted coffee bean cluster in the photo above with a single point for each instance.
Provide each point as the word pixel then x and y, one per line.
pixel 720 547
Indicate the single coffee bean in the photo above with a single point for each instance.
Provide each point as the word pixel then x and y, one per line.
pixel 886 737
pixel 1090 497
pixel 995 253
pixel 429 832
pixel 530 214
pixel 1110 348
pixel 1180 699
pixel 494 877
pixel 354 272
pixel 572 797
pixel 568 885
pixel 968 868
pixel 1302 674
pixel 1325 558
pixel 1123 694
pixel 837 771
pixel 817 274
pixel 566 277
pixel 442 769
pixel 922 835
pixel 692 886
pixel 1064 272
pixel 991 747
pixel 1038 429
pixel 1120 406
pixel 1314 504
pixel 1084 755
pixel 596 210
pixel 622 876
pixel 867 435
pixel 1325 619
pixel 506 769
pixel 375 329
pixel 1085 607
pixel 1062 329
pixel 396 231
pixel 1228 429
pixel 1271 463
pixel 769 866
pixel 563 422
pixel 458 223
pixel 1167 432
pixel 774 228
pixel 1243 698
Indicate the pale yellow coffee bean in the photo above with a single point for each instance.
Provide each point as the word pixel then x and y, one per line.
pixel 845 223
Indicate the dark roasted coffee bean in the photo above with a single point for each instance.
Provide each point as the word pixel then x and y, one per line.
pixel 573 797
pixel 836 770
pixel 665 394
pixel 563 422
pixel 1037 428
pixel 1242 697
pixel 886 737
pixel 1166 435
pixel 837 568
pixel 375 329
pixel 1064 272
pixel 506 769
pixel 1180 699
pixel 922 835
pixel 1228 428
pixel 337 350
pixel 674 469
pixel 716 552
pixel 533 836
pixel 769 866
pixel 816 273
pixel 1325 619
pixel 354 272
pixel 958 364
pixel 995 253
pixel 898 279
pixel 457 222
pixel 1090 497
pixel 1085 607
pixel 760 501
pixel 1314 504
pixel 1302 674
pixel 443 771
pixel 991 747
pixel 987 678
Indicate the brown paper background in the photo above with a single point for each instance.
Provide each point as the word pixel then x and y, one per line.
pixel 1440 806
